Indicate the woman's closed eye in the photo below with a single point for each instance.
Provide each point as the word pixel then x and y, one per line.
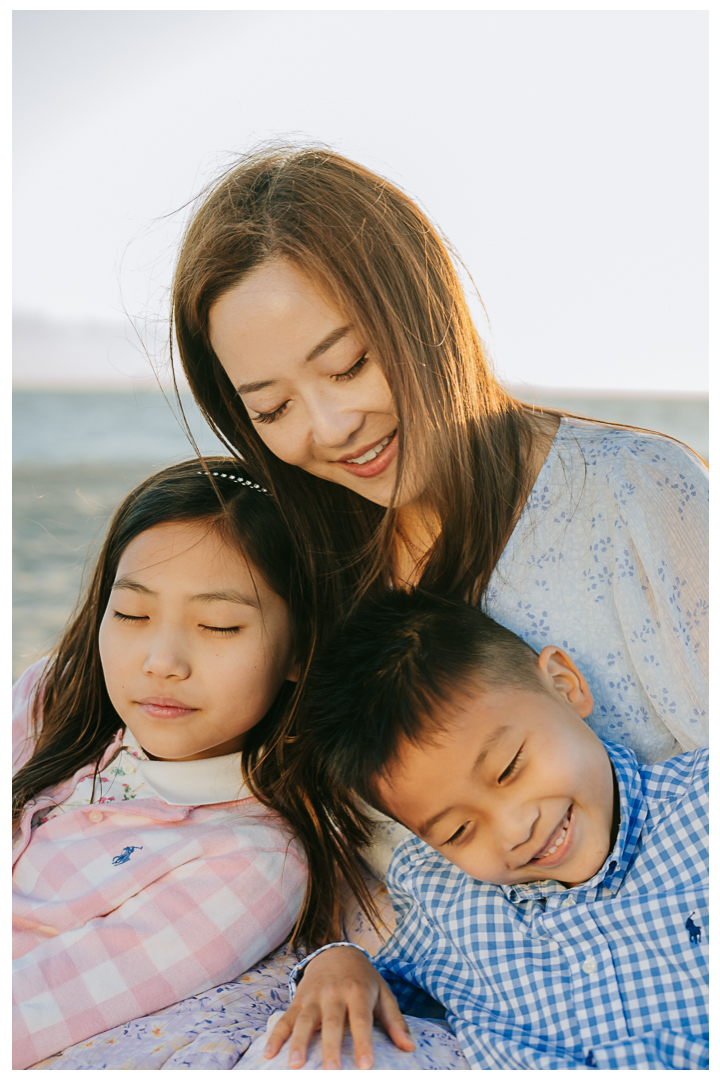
pixel 342 376
pixel 352 371
pixel 220 629
pixel 268 417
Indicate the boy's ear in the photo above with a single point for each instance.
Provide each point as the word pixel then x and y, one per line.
pixel 558 670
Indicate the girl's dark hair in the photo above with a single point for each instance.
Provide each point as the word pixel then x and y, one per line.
pixel 73 719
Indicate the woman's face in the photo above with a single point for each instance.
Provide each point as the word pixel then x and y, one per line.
pixel 308 379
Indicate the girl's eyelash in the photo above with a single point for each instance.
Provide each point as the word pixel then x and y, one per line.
pixel 221 629
pixel 511 769
pixel 353 371
pixel 268 417
pixel 456 836
pixel 130 618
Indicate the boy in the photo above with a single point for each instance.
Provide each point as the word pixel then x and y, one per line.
pixel 554 897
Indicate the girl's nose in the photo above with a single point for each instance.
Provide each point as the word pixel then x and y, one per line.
pixel 166 659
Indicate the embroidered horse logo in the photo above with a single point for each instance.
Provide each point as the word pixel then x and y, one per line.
pixel 693 930
pixel 124 856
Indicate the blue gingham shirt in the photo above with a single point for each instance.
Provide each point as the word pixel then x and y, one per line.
pixel 610 974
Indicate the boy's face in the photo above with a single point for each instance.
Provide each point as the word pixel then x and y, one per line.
pixel 516 788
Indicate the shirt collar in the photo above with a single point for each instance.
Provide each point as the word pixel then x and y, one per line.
pixel 633 811
pixel 191 783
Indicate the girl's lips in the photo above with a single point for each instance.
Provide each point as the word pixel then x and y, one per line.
pixel 561 849
pixel 378 464
pixel 165 708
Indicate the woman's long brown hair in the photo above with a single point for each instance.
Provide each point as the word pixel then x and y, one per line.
pixel 370 248
pixel 73 720
pixel 388 270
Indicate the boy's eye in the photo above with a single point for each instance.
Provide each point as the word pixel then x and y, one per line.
pixel 456 836
pixel 130 618
pixel 511 769
pixel 220 629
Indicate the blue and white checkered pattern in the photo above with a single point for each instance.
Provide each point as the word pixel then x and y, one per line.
pixel 605 974
pixel 611 974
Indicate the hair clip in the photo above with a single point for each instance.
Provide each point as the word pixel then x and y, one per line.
pixel 238 480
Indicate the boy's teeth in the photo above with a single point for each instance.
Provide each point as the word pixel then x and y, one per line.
pixel 558 842
pixel 370 454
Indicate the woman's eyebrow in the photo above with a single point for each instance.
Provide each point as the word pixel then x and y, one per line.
pixel 327 343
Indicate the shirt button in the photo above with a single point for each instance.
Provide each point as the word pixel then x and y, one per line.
pixel 589 966
pixel 129 769
pixel 569 901
pixel 95 816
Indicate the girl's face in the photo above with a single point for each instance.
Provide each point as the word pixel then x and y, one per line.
pixel 309 380
pixel 194 647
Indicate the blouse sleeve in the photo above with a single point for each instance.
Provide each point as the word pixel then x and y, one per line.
pixel 23 692
pixel 658 496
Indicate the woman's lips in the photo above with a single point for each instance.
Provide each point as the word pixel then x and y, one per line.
pixel 559 843
pixel 165 708
pixel 378 463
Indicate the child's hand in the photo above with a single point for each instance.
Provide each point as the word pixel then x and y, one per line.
pixel 339 984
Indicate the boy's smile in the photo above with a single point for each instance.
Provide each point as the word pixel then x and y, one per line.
pixel 515 787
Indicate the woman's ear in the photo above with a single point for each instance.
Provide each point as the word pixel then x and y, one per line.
pixel 559 672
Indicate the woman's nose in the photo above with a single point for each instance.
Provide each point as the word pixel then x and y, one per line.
pixel 333 424
pixel 166 658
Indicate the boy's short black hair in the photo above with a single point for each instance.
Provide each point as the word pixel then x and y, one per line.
pixel 387 673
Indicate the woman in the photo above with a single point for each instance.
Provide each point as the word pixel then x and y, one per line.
pixel 324 333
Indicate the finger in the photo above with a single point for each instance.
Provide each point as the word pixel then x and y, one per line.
pixel 388 1013
pixel 361 1027
pixel 306 1025
pixel 281 1032
pixel 333 1029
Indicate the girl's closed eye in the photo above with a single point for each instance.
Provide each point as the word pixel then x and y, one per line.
pixel 220 629
pixel 130 618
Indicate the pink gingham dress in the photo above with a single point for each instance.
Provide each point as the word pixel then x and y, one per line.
pixel 127 905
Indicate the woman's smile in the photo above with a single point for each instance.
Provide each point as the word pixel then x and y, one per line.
pixel 374 461
pixel 310 383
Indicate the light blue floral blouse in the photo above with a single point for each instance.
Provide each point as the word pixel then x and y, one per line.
pixel 609 561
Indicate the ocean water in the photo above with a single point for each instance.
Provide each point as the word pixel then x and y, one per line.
pixel 77 453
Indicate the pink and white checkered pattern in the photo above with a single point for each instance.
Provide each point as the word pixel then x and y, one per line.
pixel 201 894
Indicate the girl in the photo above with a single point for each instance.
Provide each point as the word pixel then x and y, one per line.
pixel 144 870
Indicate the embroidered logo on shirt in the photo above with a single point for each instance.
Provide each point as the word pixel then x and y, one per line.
pixel 693 930
pixel 124 855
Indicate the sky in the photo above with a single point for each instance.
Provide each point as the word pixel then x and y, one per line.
pixel 563 153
